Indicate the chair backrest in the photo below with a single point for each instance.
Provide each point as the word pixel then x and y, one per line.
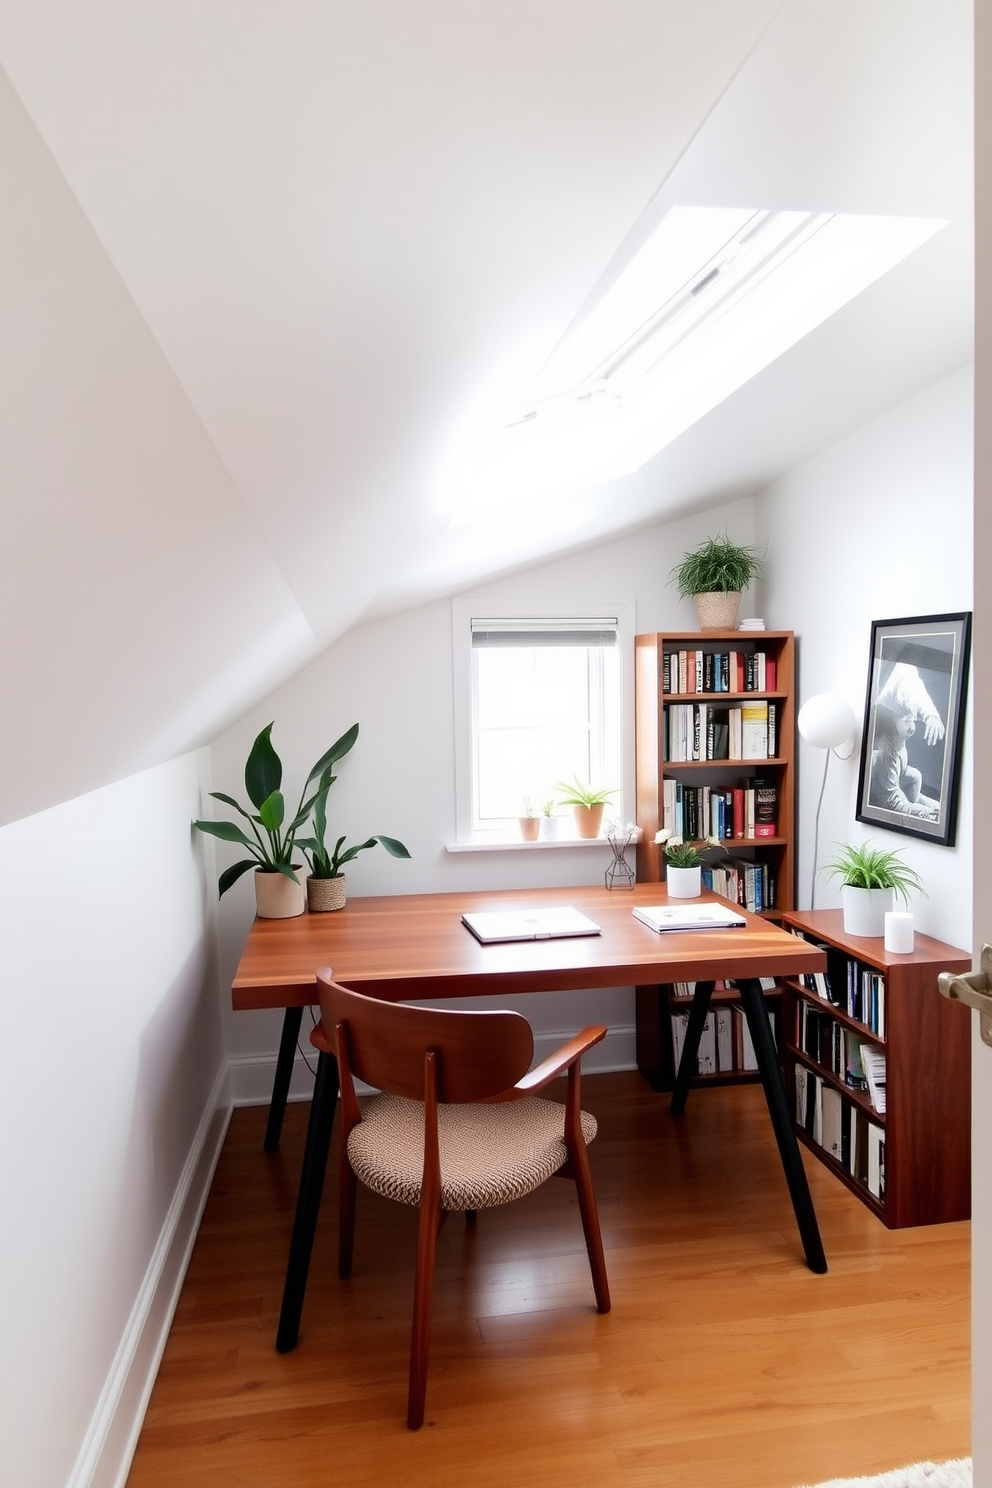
pixel 480 1054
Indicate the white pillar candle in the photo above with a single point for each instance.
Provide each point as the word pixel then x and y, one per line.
pixel 898 932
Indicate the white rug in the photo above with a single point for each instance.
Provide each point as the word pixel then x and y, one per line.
pixel 956 1474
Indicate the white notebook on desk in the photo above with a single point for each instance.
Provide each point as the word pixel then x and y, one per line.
pixel 494 925
pixel 705 916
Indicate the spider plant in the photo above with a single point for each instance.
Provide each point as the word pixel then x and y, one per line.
pixel 867 867
pixel 717 565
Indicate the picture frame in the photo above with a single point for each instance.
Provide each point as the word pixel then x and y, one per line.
pixel 910 771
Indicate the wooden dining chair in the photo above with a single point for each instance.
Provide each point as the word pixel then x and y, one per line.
pixel 457 1126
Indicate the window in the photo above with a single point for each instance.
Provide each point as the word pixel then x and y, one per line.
pixel 546 703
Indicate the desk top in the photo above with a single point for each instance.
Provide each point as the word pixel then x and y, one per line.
pixel 403 947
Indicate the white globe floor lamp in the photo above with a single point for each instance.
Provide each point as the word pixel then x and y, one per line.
pixel 827 721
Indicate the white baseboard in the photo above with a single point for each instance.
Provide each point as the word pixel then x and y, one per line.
pixel 105 1456
pixel 251 1077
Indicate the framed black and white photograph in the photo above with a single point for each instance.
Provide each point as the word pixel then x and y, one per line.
pixel 914 709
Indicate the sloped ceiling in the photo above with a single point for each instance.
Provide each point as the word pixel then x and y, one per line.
pixel 345 235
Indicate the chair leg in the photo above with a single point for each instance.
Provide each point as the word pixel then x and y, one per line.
pixel 423 1303
pixel 579 1165
pixel 348 1191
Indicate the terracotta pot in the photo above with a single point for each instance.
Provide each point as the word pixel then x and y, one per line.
pixel 589 819
pixel 718 611
pixel 530 826
pixel 278 897
pixel 865 910
pixel 683 883
pixel 324 894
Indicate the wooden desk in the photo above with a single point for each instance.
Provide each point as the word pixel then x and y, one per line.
pixel 412 947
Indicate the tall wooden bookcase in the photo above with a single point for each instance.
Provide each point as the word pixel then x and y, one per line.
pixel 655 656
pixel 922 1141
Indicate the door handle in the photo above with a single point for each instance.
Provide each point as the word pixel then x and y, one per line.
pixel 974 989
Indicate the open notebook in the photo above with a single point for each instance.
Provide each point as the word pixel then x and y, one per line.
pixel 494 925
pixel 705 916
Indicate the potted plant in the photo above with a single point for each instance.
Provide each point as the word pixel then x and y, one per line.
pixel 587 805
pixel 713 574
pixel 327 885
pixel 683 863
pixel 549 822
pixel 871 879
pixel 529 822
pixel 279 893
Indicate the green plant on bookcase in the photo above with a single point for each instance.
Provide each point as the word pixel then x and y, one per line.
pixel 872 878
pixel 714 573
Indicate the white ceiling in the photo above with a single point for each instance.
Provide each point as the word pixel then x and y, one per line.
pixel 357 228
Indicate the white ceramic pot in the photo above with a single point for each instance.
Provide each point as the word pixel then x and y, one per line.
pixel 865 910
pixel 549 828
pixel 324 894
pixel 278 897
pixel 683 883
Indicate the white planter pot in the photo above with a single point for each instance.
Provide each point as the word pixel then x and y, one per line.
pixel 865 910
pixel 683 883
pixel 278 897
pixel 549 828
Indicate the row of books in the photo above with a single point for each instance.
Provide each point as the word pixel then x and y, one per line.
pixel 841 1129
pixel 744 812
pixel 849 984
pixel 751 885
pixel 725 1045
pixel 846 1053
pixel 718 671
pixel 712 731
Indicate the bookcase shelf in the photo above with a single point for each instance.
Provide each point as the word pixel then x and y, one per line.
pixel 922 1140
pixel 769 859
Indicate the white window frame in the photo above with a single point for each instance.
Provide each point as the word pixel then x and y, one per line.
pixel 463 611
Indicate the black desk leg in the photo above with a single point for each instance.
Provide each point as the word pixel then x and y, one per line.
pixel 284 1073
pixel 756 1012
pixel 690 1048
pixel 325 1099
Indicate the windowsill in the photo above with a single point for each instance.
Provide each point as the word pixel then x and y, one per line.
pixel 518 845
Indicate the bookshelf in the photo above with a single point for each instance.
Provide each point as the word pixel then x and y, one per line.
pixel 910 1163
pixel 688 684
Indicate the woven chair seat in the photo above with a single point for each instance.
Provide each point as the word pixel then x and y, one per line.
pixel 490 1154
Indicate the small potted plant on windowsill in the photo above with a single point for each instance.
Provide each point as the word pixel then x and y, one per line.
pixel 279 893
pixel 587 803
pixel 714 574
pixel 683 863
pixel 529 822
pixel 872 878
pixel 549 822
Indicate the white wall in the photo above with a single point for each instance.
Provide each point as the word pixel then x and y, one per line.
pixel 112 1108
pixel 395 678
pixel 138 603
pixel 877 527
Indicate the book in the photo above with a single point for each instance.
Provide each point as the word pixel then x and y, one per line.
pixel 831 1118
pixel 873 1065
pixel 876 1160
pixel 754 731
pixel 688 916
pixel 765 808
pixel 724 1039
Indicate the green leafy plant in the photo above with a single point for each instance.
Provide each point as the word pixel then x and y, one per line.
pixel 272 841
pixel 717 565
pixel 548 809
pixel 681 854
pixel 867 867
pixel 577 794
pixel 327 862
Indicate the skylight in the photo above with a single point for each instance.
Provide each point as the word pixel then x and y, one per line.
pixel 711 298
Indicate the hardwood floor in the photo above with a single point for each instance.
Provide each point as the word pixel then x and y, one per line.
pixel 724 1364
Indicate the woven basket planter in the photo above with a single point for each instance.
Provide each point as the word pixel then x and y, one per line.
pixel 718 611
pixel 324 894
